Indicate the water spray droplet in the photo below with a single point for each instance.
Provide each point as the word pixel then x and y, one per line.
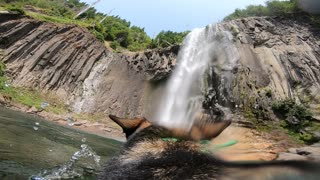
pixel 70 121
pixel 82 160
pixel 84 140
pixel 44 105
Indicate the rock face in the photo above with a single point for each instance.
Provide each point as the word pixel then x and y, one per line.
pixel 279 58
pixel 157 64
pixel 47 56
pixel 70 62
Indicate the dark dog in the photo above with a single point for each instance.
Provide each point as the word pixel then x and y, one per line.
pixel 154 152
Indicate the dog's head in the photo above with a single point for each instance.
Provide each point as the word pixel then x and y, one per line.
pixel 199 131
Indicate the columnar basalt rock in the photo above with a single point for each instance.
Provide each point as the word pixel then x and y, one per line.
pixel 70 62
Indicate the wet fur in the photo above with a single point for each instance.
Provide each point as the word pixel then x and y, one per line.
pixel 147 156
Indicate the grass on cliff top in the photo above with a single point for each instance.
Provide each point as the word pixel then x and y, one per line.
pixel 289 8
pixel 272 8
pixel 56 19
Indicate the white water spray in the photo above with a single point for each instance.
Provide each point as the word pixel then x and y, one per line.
pixel 202 48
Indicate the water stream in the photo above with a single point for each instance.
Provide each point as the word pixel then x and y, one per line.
pixel 205 51
pixel 33 147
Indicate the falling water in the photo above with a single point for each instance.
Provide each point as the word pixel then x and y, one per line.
pixel 203 50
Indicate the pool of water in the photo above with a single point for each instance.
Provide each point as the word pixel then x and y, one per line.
pixel 31 146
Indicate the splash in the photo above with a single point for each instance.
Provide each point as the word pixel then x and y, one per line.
pixel 81 162
pixel 204 50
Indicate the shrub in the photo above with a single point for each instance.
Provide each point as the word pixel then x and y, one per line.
pixel 296 116
pixel 114 45
pixel 2 69
pixel 98 35
pixel 268 93
pixel 168 38
pixel 282 7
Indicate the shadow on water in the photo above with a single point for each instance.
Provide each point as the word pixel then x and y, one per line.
pixel 30 145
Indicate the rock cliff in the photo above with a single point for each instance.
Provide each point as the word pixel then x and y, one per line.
pixel 278 58
pixel 70 62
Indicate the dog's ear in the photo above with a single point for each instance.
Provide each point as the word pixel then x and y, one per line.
pixel 130 126
pixel 208 131
pixel 202 130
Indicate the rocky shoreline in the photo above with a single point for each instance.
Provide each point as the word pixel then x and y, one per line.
pixel 105 129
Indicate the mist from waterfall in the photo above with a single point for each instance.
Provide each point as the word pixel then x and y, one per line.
pixel 203 50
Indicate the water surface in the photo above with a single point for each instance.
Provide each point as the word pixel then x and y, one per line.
pixel 29 145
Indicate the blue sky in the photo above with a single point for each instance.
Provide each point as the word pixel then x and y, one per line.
pixel 174 15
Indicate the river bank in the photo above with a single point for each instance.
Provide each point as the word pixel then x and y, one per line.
pixel 104 127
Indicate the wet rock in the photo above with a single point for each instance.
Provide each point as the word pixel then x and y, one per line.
pixel 303 153
pixel 34 110
pixel 80 123
pixel 107 129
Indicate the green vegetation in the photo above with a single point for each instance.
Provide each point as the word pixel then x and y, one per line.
pixel 2 75
pixel 28 97
pixel 168 38
pixel 272 8
pixel 93 117
pixel 15 9
pixel 119 32
pixel 32 98
pixel 56 19
pixel 295 118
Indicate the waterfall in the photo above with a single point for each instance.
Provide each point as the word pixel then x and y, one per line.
pixel 203 51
